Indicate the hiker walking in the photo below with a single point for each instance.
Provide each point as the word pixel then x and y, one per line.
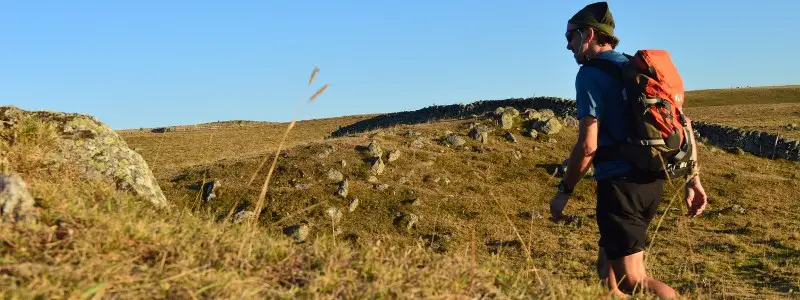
pixel 633 132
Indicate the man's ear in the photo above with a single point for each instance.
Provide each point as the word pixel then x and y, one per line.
pixel 589 35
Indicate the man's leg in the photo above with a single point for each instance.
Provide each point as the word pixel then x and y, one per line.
pixel 633 276
pixel 607 276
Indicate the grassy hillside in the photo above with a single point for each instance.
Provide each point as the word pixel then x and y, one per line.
pixel 750 95
pixel 482 228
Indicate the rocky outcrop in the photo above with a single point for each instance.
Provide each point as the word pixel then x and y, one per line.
pixel 94 149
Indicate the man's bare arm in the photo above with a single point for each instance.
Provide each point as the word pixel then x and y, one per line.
pixel 583 152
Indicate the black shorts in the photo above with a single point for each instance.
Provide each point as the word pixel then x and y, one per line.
pixel 625 206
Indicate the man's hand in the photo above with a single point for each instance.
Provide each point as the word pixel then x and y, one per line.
pixel 696 198
pixel 557 206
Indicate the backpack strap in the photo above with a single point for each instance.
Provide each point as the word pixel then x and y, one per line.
pixel 606 66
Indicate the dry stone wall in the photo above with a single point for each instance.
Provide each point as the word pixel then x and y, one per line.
pixel 456 111
pixel 758 143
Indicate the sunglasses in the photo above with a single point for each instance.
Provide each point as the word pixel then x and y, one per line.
pixel 570 33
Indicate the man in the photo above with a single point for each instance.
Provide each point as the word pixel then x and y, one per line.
pixel 627 198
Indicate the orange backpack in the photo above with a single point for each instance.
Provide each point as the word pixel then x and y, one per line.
pixel 659 137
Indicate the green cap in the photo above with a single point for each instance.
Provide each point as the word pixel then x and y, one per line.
pixel 596 15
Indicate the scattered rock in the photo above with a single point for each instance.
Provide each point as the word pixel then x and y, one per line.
pixel 16 204
pixel 377 167
pixel 454 140
pixel 353 205
pixel 530 215
pixel 94 148
pixel 381 187
pixel 791 127
pixel 242 216
pixel 393 155
pixel 547 113
pixel 372 179
pixel 402 180
pixel 738 209
pixel 418 143
pixel 510 137
pixel 531 115
pixel 335 175
pixel 412 202
pixel 506 121
pixel 511 111
pixel 517 155
pixel 299 232
pixel 335 214
pixel 344 188
pixel 480 133
pixel 406 220
pixel 209 190
pixel 499 111
pixel 411 132
pixel 325 151
pixel 549 126
pixel 343 163
pixel 302 186
pixel 532 133
pixel 374 150
pixel 570 121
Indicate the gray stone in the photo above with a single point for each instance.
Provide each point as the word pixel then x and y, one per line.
pixel 334 214
pixel 532 133
pixel 344 188
pixel 570 121
pixel 510 137
pixel 374 150
pixel 517 155
pixel 299 232
pixel 96 150
pixel 418 143
pixel 335 175
pixel 480 133
pixel 242 216
pixel 372 179
pixel 506 121
pixel 378 167
pixel 381 187
pixel 393 155
pixel 512 111
pixel 531 115
pixel 454 140
pixel 549 126
pixel 406 220
pixel 499 111
pixel 210 190
pixel 353 205
pixel 16 204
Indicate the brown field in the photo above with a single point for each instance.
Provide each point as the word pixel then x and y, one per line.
pixel 483 226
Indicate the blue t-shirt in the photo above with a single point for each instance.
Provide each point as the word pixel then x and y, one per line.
pixel 598 94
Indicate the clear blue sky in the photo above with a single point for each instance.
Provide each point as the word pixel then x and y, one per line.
pixel 154 63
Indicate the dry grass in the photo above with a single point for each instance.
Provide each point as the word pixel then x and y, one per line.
pixel 762 117
pixel 752 95
pixel 95 241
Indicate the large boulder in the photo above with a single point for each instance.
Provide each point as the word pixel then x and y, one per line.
pixel 94 149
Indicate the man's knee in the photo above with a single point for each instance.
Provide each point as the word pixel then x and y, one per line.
pixel 633 281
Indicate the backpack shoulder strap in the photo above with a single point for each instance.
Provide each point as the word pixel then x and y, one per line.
pixel 607 66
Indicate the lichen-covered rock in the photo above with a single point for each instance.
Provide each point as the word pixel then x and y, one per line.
pixel 335 175
pixel 95 149
pixel 480 133
pixel 393 155
pixel 16 204
pixel 377 167
pixel 549 126
pixel 374 150
pixel 454 140
pixel 506 120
